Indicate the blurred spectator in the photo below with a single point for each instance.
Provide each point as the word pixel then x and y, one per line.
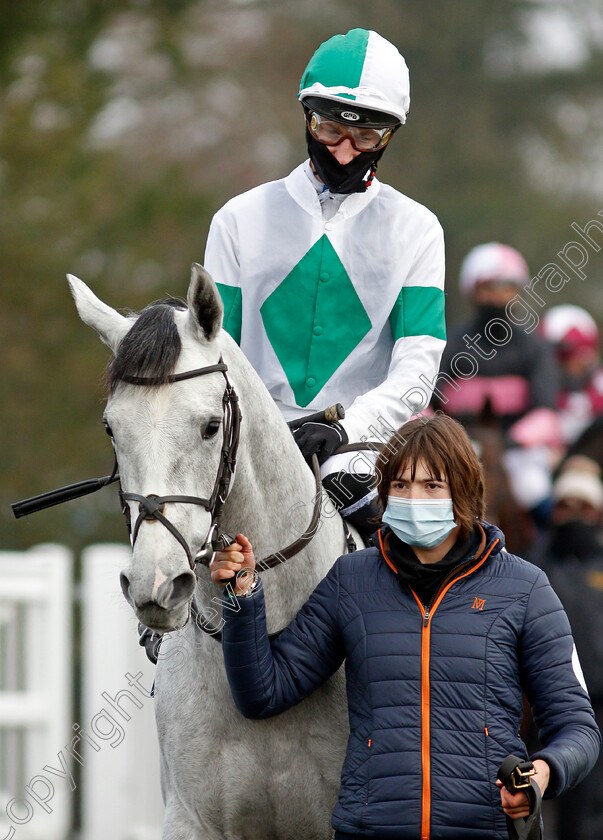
pixel 572 557
pixel 516 376
pixel 575 338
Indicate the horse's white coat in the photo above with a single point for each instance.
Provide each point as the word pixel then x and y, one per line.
pixel 159 579
pixel 225 777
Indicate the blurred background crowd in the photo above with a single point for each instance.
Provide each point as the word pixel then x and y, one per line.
pixel 125 124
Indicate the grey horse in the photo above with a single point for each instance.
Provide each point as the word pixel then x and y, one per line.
pixel 222 776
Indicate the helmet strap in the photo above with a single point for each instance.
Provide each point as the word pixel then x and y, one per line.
pixel 352 177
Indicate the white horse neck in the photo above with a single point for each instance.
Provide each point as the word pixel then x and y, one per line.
pixel 273 493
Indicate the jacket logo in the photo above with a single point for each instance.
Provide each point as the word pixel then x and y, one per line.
pixel 595 580
pixel 478 604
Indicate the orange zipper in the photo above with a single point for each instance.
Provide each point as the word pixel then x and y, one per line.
pixel 427 614
pixel 425 726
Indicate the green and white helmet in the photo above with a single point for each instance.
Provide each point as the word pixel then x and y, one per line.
pixel 360 69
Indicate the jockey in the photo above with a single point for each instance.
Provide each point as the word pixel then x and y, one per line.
pixel 332 281
pixel 515 376
pixel 575 338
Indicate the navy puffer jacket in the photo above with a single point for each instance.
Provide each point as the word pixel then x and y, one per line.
pixel 435 696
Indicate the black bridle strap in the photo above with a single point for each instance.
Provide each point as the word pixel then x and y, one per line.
pixel 291 550
pixel 91 485
pixel 219 367
pixel 151 507
pixel 230 446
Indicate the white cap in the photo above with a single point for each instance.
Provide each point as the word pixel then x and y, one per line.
pixel 495 262
pixel 580 480
pixel 567 320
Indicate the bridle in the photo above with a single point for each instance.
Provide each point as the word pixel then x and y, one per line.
pixel 152 507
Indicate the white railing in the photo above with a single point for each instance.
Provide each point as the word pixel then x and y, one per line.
pixel 108 756
pixel 35 693
pixel 121 794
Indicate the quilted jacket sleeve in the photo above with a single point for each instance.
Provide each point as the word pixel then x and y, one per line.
pixel 267 677
pixel 555 689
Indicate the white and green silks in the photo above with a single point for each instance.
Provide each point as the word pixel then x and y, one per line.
pixel 347 310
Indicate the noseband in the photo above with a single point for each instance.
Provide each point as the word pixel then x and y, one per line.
pixel 152 507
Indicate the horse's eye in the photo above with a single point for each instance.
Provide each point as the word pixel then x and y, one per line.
pixel 108 429
pixel 211 429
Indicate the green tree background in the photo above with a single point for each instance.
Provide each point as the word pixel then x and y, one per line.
pixel 125 125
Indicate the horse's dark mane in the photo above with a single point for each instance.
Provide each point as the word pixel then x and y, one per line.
pixel 151 347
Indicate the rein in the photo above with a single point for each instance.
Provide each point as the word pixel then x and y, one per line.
pixel 152 506
pixel 293 548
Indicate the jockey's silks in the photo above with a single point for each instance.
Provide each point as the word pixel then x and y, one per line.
pixel 349 309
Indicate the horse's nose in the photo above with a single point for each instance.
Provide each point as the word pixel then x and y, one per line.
pixel 124 582
pixel 170 594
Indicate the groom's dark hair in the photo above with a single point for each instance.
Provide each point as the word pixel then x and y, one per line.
pixel 444 447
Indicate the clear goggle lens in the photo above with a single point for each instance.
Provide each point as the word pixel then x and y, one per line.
pixel 363 139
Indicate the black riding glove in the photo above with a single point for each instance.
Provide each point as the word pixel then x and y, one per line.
pixel 321 438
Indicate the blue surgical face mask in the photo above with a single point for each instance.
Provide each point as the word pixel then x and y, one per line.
pixel 424 523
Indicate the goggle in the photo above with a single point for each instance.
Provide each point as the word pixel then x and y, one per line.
pixel 362 138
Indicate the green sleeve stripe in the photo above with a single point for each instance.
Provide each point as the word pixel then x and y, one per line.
pixel 231 298
pixel 419 310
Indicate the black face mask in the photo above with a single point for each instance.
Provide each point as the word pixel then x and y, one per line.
pixel 342 178
pixel 488 312
pixel 576 539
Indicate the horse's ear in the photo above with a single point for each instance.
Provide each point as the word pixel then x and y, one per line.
pixel 108 323
pixel 204 302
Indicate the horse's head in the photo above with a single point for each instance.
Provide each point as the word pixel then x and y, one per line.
pixel 168 434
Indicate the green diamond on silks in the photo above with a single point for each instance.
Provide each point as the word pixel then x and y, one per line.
pixel 314 320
